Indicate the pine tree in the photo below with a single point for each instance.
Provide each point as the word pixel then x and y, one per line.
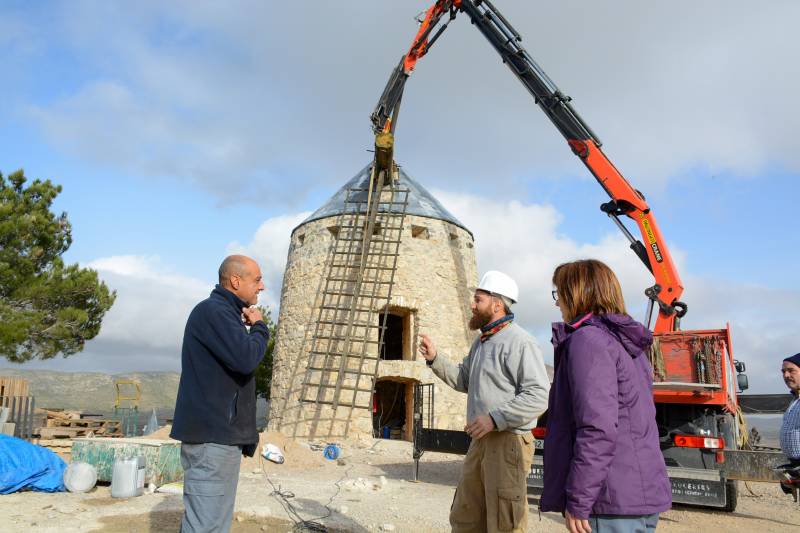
pixel 264 370
pixel 46 307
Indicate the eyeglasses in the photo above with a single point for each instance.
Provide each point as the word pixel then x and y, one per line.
pixel 555 295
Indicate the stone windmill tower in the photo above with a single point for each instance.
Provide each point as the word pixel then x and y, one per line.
pixel 333 374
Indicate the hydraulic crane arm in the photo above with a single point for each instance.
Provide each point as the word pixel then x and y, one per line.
pixel 384 117
pixel 625 200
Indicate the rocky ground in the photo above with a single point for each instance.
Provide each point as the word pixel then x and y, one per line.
pixel 367 489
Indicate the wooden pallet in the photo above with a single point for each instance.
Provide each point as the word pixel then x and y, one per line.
pixel 82 423
pixel 71 424
pixel 71 433
pixel 60 414
pixel 59 433
pixel 61 447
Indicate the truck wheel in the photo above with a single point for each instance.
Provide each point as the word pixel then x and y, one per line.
pixel 731 495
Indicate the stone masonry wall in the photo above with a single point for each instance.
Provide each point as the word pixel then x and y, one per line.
pixel 436 271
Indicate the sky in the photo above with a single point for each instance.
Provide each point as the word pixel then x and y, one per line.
pixel 183 131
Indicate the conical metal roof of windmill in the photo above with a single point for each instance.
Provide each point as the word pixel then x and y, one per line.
pixel 420 201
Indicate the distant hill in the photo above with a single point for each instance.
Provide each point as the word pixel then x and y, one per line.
pixel 93 391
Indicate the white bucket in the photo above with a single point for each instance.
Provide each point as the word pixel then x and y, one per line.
pixel 127 480
pixel 80 477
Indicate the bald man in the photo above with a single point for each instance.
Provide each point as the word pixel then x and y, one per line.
pixel 215 413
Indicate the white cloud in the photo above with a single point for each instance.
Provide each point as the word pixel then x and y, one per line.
pixel 152 305
pixel 524 241
pixel 143 330
pixel 270 247
pixel 666 92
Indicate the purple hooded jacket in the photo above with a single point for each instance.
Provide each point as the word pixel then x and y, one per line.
pixel 602 453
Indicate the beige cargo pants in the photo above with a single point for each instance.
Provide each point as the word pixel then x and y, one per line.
pixel 492 492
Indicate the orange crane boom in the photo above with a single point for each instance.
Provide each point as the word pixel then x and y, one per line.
pixel 666 292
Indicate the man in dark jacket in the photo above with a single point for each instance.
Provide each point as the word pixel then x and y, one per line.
pixel 215 413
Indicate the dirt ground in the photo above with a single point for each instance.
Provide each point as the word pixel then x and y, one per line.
pixel 367 489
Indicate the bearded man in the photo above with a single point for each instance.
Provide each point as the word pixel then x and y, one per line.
pixel 507 387
pixel 790 429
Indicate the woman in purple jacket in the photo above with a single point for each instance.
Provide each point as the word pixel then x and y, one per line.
pixel 603 467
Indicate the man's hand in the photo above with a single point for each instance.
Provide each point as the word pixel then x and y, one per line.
pixel 479 427
pixel 426 347
pixel 251 315
pixel 577 525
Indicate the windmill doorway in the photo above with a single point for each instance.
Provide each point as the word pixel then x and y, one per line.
pixel 393 409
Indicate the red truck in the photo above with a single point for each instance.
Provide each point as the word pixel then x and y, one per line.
pixel 695 374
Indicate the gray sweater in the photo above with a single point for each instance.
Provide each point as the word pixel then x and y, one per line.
pixel 504 377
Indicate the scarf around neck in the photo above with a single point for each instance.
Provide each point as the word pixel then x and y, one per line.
pixel 490 329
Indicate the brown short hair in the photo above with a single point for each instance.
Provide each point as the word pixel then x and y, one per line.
pixel 588 286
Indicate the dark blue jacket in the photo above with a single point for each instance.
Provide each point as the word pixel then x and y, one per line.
pixel 217 392
pixel 602 453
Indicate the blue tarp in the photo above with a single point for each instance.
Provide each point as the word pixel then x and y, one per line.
pixel 26 466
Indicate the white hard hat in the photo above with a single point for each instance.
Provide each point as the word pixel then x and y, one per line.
pixel 499 283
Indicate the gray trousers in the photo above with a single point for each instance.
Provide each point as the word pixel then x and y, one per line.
pixel 210 476
pixel 609 523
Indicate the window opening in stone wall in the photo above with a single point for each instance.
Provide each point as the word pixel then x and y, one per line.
pixel 420 232
pixel 376 229
pixel 392 349
pixel 453 237
pixel 300 238
pixel 334 231
pixel 392 410
pixel 398 340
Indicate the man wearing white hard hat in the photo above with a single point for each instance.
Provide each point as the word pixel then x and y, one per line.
pixel 507 387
